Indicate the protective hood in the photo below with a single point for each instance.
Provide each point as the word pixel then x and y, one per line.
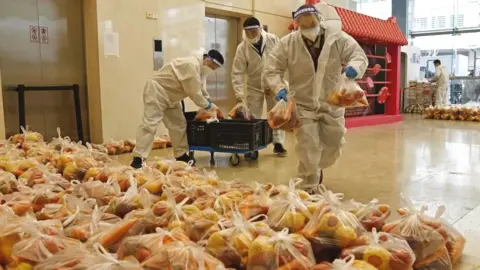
pixel 329 19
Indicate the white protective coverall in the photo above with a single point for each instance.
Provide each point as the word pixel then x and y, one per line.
pixel 321 136
pixel 441 78
pixel 248 62
pixel 174 82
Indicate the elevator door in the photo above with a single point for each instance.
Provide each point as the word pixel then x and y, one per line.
pixel 221 34
pixel 59 60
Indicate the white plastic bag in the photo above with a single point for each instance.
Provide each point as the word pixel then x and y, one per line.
pixel 347 93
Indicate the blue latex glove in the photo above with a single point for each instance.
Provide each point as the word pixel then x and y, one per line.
pixel 350 72
pixel 282 94
pixel 209 106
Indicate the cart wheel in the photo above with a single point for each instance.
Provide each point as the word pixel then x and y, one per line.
pixel 234 160
pixel 212 158
pixel 254 155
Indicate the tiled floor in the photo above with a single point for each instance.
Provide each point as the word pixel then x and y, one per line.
pixel 432 162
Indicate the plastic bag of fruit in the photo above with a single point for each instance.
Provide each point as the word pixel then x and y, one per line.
pixel 107 261
pixel 347 93
pixel 67 206
pixel 371 215
pixel 172 215
pixel 144 246
pixel 254 204
pixel 182 256
pixel 284 115
pixel 8 182
pixel 349 263
pixel 288 210
pixel 100 191
pixel 202 225
pixel 110 237
pixel 18 167
pixel 39 246
pixel 240 112
pixel 472 114
pixel 280 251
pixel 81 225
pixel 382 250
pixel 231 245
pixel 76 257
pixel 429 112
pixel 213 114
pixel 455 241
pixel 425 241
pixel 332 228
pixel 133 199
pixel 147 220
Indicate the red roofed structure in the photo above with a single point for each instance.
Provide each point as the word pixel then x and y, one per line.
pixel 363 27
pixel 381 41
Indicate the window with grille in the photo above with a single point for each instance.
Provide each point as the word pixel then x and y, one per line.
pixel 460 22
pixel 421 23
pixel 434 22
pixel 442 22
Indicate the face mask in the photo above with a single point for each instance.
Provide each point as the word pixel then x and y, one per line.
pixel 253 40
pixel 206 70
pixel 311 33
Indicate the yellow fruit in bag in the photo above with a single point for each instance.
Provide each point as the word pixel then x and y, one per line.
pixel 345 236
pixel 329 223
pixel 378 257
pixel 295 221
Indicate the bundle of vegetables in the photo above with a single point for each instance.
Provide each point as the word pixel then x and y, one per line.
pixel 280 251
pixel 332 228
pixel 290 211
pixel 382 250
pixel 426 237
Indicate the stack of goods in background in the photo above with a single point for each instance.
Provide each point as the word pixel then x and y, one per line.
pixel 126 146
pixel 418 96
pixel 67 206
pixel 453 112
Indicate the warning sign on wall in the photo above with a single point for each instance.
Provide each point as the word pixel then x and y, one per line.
pixel 43 35
pixel 34 34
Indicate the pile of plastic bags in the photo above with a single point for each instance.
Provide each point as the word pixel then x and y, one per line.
pixel 453 112
pixel 67 206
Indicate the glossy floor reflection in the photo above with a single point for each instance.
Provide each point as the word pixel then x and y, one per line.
pixel 432 162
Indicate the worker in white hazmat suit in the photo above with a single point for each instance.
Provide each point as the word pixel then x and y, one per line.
pixel 313 57
pixel 441 78
pixel 162 96
pixel 249 60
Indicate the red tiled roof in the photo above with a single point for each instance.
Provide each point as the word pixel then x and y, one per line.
pixel 363 27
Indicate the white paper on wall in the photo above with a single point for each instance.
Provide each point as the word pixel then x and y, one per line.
pixel 111 44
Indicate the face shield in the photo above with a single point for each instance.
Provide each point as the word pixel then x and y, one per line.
pixel 309 25
pixel 252 34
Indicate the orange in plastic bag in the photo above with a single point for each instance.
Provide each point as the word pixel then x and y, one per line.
pixel 455 241
pixel 349 263
pixel 383 250
pixel 284 116
pixel 347 94
pixel 372 214
pixel 240 112
pixel 281 251
pixel 425 240
pixel 210 114
pixel 332 228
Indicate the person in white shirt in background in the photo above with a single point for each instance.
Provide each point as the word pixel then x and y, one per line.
pixel 162 96
pixel 441 78
pixel 249 60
